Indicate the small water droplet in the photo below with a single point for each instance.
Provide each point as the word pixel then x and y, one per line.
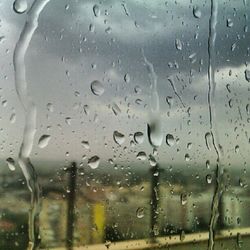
pixel 170 101
pixel 118 137
pixel 44 141
pixel 96 10
pixel 50 107
pixel 85 144
pixel 248 109
pixel 229 23
pixel 178 44
pixel 208 164
pixel 187 157
pixel 116 109
pixel 127 78
pixel 141 156
pixel 20 6
pixel 208 138
pixel 237 149
pixel 183 199
pixel 139 137
pixel 209 178
pixel 97 88
pixel 247 75
pixel 11 163
pixel 140 212
pixel 170 140
pixel 107 244
pixel 182 235
pixel 13 118
pixel 196 12
pixel 152 161
pixel 68 120
pixel 93 162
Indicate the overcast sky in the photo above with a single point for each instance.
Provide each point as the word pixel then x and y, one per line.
pixel 66 55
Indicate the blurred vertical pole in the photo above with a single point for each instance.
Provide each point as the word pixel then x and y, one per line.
pixel 71 203
pixel 154 201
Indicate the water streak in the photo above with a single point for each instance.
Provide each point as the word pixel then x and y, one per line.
pixel 212 119
pixel 30 119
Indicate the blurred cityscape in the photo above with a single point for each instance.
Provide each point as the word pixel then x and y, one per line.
pixel 81 208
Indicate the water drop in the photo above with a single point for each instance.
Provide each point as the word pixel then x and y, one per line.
pixel 183 199
pixel 68 120
pixel 97 88
pixel 127 78
pixel 20 6
pixel 237 149
pixel 93 162
pixel 248 109
pixel 141 156
pixel 187 157
pixel 118 137
pixel 116 109
pixel 96 10
pixel 11 163
pixel 208 164
pixel 139 137
pixel 140 212
pixel 170 101
pixel 196 12
pixel 50 107
pixel 170 140
pixel 247 75
pixel 85 144
pixel 208 138
pixel 152 161
pixel 209 178
pixel 44 141
pixel 182 235
pixel 229 23
pixel 13 118
pixel 154 133
pixel 178 44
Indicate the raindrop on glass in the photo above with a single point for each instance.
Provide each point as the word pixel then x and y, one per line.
pixel 20 6
pixel 247 75
pixel 97 88
pixel 139 137
pixel 140 212
pixel 141 156
pixel 118 137
pixel 96 10
pixel 44 141
pixel 93 162
pixel 11 163
pixel 196 12
pixel 170 140
pixel 127 78
pixel 178 44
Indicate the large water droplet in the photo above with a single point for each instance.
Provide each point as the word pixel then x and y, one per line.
pixel 155 135
pixel 140 212
pixel 44 141
pixel 96 10
pixel 196 12
pixel 229 23
pixel 93 162
pixel 119 138
pixel 97 88
pixel 139 137
pixel 20 6
pixel 170 140
pixel 11 163
pixel 247 75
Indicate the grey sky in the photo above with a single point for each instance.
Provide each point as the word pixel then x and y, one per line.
pixel 115 48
